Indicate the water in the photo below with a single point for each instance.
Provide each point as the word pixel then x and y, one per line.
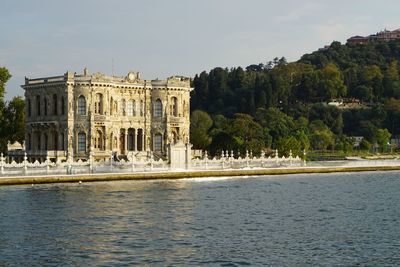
pixel 325 219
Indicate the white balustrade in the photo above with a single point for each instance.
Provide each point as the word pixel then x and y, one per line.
pixel 226 160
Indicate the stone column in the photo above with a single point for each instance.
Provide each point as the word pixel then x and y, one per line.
pixel 143 141
pixel 135 137
pixel 126 142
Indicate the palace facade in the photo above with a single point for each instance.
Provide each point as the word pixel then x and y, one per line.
pixel 77 115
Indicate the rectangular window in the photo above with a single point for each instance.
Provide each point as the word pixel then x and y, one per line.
pixel 81 142
pixel 55 104
pixel 29 108
pixel 62 106
pixel 45 106
pixel 130 108
pixel 157 142
pixel 37 105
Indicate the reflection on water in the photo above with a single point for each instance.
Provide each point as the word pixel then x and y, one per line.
pixel 348 219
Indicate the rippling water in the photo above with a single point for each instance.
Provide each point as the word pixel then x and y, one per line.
pixel 324 219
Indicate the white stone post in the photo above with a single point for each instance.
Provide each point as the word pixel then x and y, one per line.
pixel 188 156
pixel 25 163
pixel 2 163
pixel 290 158
pixel 276 157
pixel 47 162
pixel 304 158
pixel 133 162
pixel 91 161
pixel 151 161
pixel 206 159
pixel 69 166
pixel 262 158
pixel 231 159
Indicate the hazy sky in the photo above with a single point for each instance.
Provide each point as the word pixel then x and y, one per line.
pixel 161 38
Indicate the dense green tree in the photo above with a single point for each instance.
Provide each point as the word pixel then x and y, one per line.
pixel 287 144
pixel 200 123
pixel 15 120
pixel 331 83
pixel 247 134
pixel 383 138
pixel 4 132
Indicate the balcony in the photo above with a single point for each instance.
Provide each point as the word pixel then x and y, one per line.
pixel 176 119
pixel 45 153
pixel 100 118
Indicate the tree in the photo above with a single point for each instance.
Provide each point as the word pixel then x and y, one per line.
pixel 331 82
pixel 4 77
pixel 15 120
pixel 383 138
pixel 247 133
pixel 368 130
pixel 321 137
pixel 365 145
pixel 279 124
pixel 287 144
pixel 200 123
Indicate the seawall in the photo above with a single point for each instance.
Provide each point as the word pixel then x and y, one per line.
pixel 44 179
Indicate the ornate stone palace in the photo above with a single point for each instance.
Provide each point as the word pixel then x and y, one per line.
pixel 77 115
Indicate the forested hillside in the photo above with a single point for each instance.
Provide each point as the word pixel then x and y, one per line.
pixel 286 104
pixel 12 115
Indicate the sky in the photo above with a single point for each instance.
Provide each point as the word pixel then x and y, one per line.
pixel 161 38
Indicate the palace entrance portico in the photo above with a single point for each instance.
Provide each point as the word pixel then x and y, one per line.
pixel 130 140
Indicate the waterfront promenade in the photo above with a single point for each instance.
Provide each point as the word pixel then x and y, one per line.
pixel 182 174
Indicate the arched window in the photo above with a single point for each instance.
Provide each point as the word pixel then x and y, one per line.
pixel 46 142
pixel 131 139
pixel 157 108
pixel 62 105
pixel 55 104
pixel 158 142
pixel 175 137
pixel 45 106
pixel 29 108
pixel 111 106
pixel 98 104
pixel 99 140
pixel 131 108
pixel 123 107
pixel 38 105
pixel 82 105
pixel 174 107
pixel 81 142
pixel 185 107
pixel 38 141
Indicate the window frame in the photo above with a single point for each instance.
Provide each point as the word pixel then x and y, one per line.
pixel 81 147
pixel 81 110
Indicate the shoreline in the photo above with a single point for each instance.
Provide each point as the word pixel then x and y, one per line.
pixel 184 174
